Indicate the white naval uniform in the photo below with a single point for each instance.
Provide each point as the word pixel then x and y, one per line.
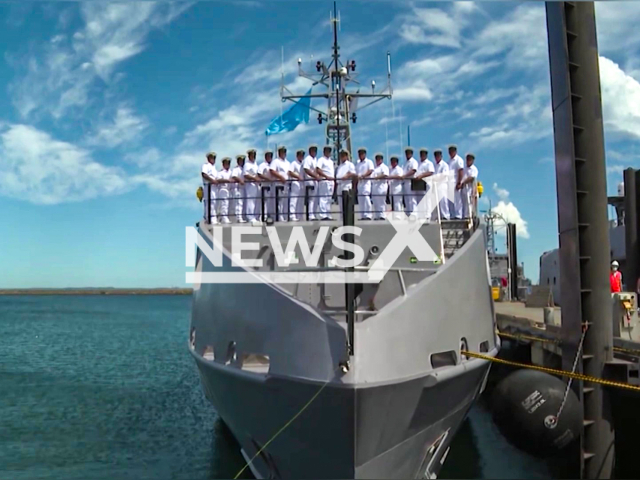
pixel 296 194
pixel 282 167
pixel 455 207
pixel 344 185
pixel 467 190
pixel 441 189
pixel 364 188
pixel 395 190
pixel 379 189
pixel 251 191
pixel 427 207
pixel 310 163
pixel 210 192
pixel 409 195
pixel 325 187
pixel 237 193
pixel 224 193
pixel 269 191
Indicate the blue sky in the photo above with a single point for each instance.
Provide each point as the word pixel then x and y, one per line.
pixel 107 109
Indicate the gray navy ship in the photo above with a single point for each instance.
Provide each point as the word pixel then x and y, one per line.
pixel 358 380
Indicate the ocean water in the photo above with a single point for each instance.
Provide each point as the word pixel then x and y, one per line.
pixel 102 387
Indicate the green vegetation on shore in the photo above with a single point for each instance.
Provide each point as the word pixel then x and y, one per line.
pixel 96 291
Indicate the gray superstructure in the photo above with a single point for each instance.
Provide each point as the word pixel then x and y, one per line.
pixel 322 381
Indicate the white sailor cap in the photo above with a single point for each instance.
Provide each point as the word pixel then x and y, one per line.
pixel 327 147
pixel 378 154
pixel 281 148
pixel 394 157
pixel 362 149
pixel 238 157
pixel 300 150
pixel 251 150
pixel 470 155
pixel 437 150
pixel 424 150
pixel 408 149
pixel 212 154
pixel 453 146
pixel 345 152
pixel 267 151
pixel 313 145
pixel 226 159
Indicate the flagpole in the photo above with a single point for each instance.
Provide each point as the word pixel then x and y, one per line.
pixel 281 74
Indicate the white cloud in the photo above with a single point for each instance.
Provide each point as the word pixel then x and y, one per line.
pixel 124 128
pixel 616 21
pixel 502 193
pixel 40 169
pixel 62 77
pixel 520 37
pixel 512 215
pixel 620 99
pixel 435 26
pixel 145 158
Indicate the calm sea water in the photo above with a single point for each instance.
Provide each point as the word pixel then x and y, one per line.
pixel 104 388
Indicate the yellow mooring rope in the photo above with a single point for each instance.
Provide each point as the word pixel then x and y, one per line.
pixel 630 351
pixel 553 371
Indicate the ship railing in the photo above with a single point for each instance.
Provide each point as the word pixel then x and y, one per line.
pixel 272 201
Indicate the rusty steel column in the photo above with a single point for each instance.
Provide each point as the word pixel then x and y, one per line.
pixel 582 220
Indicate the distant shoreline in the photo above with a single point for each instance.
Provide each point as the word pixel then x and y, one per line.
pixel 96 291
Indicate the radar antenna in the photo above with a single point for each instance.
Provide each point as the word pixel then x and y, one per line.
pixel 342 104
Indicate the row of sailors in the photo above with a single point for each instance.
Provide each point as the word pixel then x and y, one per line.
pixel 238 188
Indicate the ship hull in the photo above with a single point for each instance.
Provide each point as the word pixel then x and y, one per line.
pixel 341 431
pixel 310 409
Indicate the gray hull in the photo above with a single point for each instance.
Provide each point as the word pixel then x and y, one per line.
pixel 346 432
pixel 407 389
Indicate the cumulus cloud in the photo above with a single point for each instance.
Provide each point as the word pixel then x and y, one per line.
pixel 502 193
pixel 69 174
pixel 620 99
pixel 508 211
pixel 512 215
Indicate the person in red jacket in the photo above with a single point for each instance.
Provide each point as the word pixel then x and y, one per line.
pixel 615 278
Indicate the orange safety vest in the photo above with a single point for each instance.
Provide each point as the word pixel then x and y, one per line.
pixel 615 279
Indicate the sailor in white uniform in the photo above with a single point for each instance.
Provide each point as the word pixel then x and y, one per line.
pixel 364 169
pixel 469 176
pixel 225 184
pixel 410 170
pixel 310 177
pixel 237 190
pixel 251 186
pixel 396 176
pixel 345 174
pixel 456 165
pixel 209 184
pixel 441 186
pixel 267 186
pixel 424 173
pixel 380 187
pixel 325 170
pixel 281 169
pixel 296 196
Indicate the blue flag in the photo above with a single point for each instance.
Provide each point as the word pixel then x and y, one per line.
pixel 290 119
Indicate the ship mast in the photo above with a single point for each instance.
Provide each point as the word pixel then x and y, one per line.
pixel 342 104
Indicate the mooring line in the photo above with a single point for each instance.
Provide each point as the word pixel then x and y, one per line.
pixel 630 351
pixel 553 371
pixel 286 424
